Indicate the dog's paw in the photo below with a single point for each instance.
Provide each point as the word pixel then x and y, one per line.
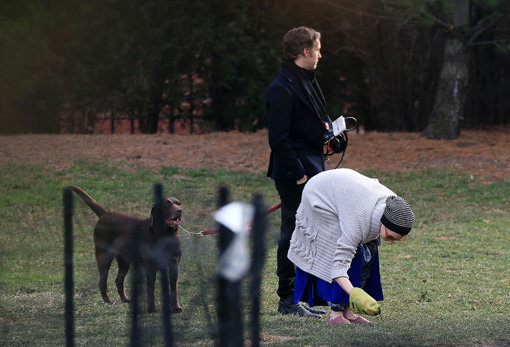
pixel 106 299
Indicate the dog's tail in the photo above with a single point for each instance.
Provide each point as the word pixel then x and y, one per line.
pixel 93 204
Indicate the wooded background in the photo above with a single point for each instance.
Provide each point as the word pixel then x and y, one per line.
pixel 430 66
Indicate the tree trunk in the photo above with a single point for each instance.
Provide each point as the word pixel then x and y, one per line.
pixel 132 122
pixel 191 104
pixel 452 87
pixel 153 120
pixel 451 92
pixel 112 121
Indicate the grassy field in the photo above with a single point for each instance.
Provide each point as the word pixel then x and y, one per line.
pixel 448 284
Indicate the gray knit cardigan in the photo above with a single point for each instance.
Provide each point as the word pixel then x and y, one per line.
pixel 339 210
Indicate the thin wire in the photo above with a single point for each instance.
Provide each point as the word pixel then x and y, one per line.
pixel 189 233
pixel 381 317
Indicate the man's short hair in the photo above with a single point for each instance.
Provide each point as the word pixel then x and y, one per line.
pixel 297 39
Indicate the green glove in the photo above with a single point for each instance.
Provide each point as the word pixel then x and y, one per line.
pixel 361 302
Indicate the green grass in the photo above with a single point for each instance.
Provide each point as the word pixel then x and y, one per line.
pixel 448 284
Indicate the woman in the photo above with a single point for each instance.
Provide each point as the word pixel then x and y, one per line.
pixel 342 216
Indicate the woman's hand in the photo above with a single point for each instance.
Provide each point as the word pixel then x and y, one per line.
pixel 344 283
pixel 361 302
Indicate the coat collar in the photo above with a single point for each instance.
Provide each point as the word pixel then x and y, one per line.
pixel 296 87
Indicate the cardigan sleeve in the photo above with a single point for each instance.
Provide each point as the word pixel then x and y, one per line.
pixel 346 247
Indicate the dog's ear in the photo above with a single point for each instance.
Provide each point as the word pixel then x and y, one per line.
pixel 152 216
pixel 152 222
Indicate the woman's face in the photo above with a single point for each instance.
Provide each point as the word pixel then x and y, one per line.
pixel 390 236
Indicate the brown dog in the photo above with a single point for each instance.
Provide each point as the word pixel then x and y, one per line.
pixel 112 240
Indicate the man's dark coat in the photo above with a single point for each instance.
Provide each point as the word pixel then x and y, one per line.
pixel 296 131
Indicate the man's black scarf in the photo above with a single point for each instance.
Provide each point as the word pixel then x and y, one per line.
pixel 311 87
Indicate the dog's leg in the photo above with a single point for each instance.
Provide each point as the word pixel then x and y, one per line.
pixel 151 281
pixel 104 260
pixel 124 266
pixel 173 274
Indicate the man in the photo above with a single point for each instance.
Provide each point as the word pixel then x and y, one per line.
pixel 297 122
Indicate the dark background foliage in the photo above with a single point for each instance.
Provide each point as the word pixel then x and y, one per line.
pixel 74 61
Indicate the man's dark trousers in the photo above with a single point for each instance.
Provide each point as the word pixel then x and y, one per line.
pixel 290 195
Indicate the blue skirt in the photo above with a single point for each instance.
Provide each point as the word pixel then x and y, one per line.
pixel 363 273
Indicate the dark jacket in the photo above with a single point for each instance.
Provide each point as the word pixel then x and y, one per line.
pixel 295 130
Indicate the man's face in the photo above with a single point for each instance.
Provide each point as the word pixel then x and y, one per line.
pixel 312 56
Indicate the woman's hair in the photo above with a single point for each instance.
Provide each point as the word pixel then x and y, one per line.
pixel 297 39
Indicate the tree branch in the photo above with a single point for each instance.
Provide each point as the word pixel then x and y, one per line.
pixel 480 29
pixel 361 11
pixel 497 43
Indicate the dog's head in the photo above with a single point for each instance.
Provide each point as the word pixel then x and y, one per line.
pixel 171 212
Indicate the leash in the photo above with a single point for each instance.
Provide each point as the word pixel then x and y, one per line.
pixel 214 231
pixel 189 233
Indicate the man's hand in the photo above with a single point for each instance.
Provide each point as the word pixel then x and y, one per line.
pixel 302 180
pixel 361 302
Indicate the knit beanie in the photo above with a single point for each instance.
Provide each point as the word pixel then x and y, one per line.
pixel 398 215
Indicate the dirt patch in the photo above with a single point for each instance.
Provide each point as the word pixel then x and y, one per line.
pixel 275 338
pixel 484 153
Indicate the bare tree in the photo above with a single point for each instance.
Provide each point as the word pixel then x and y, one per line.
pixel 451 91
pixel 462 30
pixel 462 22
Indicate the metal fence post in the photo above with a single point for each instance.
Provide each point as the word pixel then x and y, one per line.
pixel 162 266
pixel 259 254
pixel 136 280
pixel 68 264
pixel 226 293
